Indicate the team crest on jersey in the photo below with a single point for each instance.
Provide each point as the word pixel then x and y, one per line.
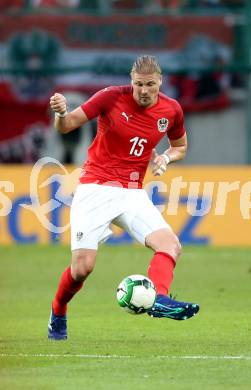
pixel 162 124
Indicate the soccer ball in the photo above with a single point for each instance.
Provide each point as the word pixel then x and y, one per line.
pixel 136 294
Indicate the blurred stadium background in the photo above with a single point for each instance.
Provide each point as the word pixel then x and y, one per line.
pixel 79 46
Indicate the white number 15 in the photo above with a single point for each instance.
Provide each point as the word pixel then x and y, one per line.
pixel 137 146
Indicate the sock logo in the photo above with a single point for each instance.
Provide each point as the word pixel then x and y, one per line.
pixel 79 236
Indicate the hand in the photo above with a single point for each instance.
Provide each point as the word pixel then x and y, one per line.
pixel 58 103
pixel 159 163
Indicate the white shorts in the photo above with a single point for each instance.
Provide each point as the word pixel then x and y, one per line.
pixel 96 206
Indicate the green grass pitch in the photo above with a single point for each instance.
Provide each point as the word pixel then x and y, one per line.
pixel 112 350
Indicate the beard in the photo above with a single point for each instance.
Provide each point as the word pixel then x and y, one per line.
pixel 145 101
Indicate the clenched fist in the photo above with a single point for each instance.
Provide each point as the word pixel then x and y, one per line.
pixel 58 103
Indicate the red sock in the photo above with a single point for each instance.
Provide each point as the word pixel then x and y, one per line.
pixel 67 288
pixel 160 271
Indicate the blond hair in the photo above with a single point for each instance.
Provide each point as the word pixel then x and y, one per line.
pixel 146 64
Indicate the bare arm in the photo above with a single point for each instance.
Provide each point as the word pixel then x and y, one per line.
pixel 176 152
pixel 66 121
pixel 178 149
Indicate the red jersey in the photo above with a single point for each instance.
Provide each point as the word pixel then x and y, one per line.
pixel 126 135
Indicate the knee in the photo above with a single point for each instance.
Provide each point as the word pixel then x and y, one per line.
pixel 176 247
pixel 82 265
pixel 165 241
pixel 172 246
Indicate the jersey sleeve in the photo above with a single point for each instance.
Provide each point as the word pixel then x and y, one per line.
pixel 100 102
pixel 178 129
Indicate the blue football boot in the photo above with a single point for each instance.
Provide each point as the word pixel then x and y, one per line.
pixel 57 327
pixel 166 307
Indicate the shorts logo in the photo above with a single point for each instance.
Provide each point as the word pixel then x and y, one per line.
pixel 162 124
pixel 79 236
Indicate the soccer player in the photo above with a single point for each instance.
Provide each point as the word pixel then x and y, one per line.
pixel 132 119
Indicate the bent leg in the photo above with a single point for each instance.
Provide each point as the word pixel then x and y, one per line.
pixel 145 223
pixel 83 262
pixel 167 249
